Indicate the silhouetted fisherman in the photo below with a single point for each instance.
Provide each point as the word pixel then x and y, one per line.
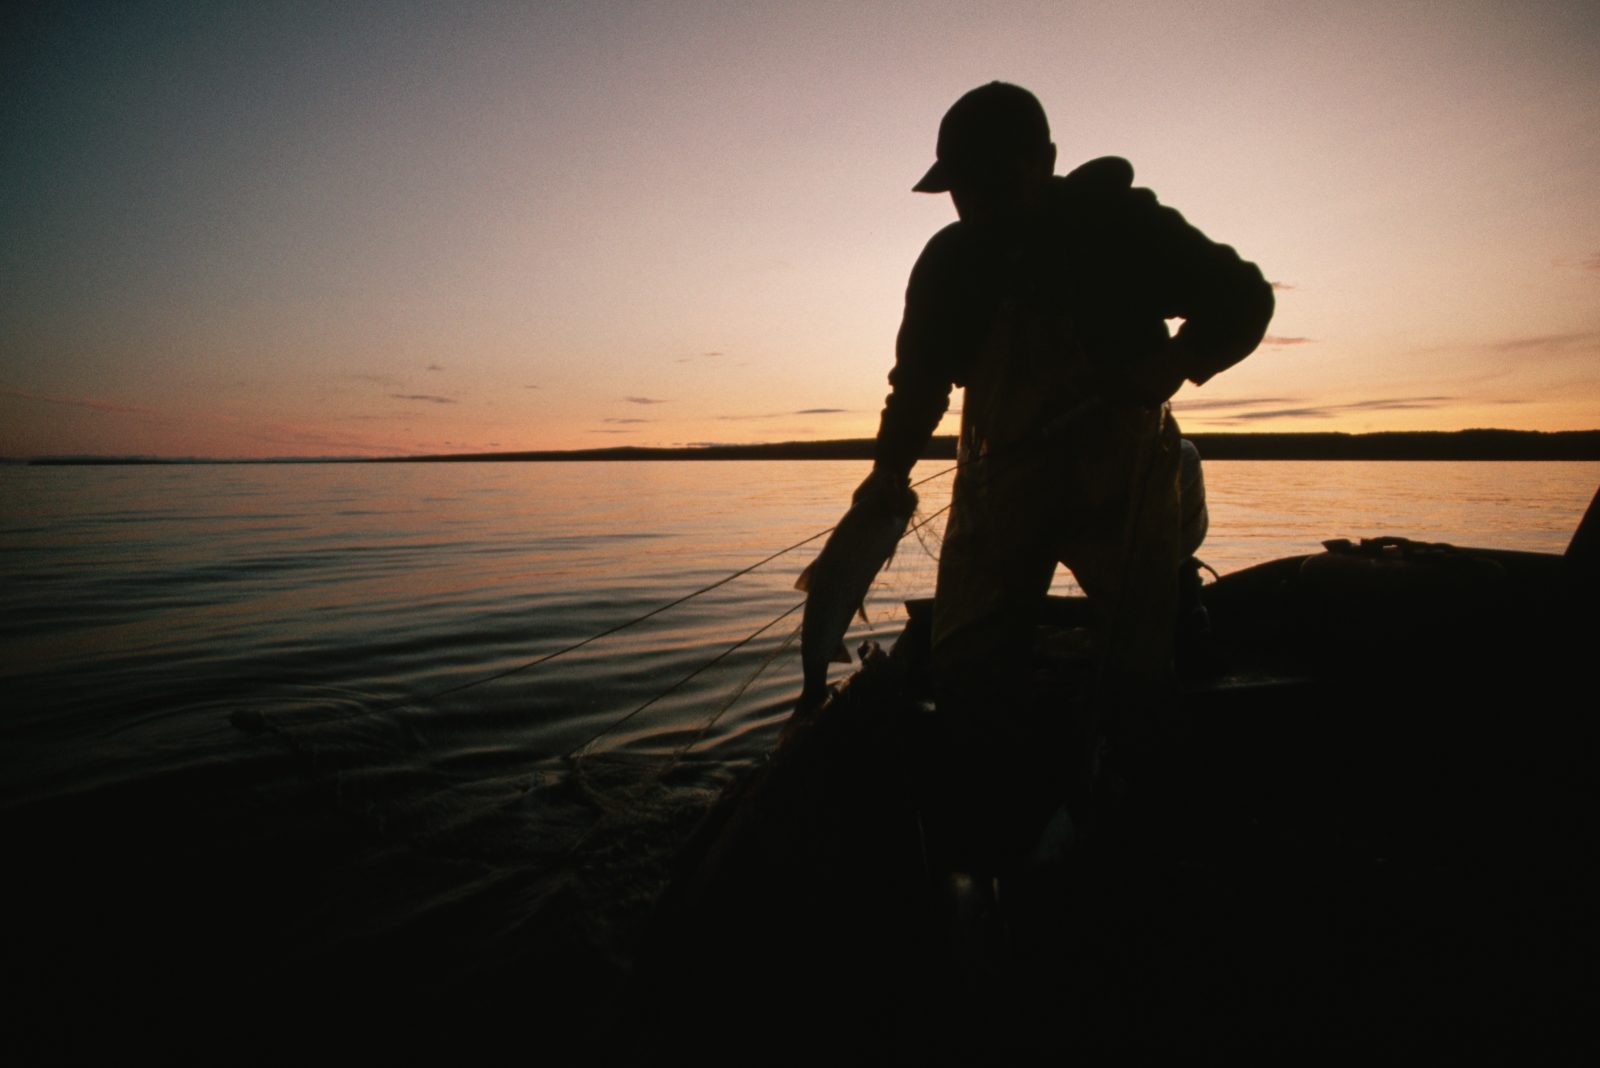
pixel 1047 301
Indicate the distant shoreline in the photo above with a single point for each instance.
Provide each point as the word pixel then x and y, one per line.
pixel 1387 445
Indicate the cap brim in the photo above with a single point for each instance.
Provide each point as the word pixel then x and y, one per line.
pixel 937 180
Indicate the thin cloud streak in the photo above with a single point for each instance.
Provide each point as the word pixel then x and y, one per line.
pixel 781 415
pixel 1273 339
pixel 300 437
pixel 1553 344
pixel 1545 342
pixel 1328 411
pixel 644 400
pixel 425 397
pixel 82 402
pixel 1243 402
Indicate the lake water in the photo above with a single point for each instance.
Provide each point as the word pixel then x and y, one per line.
pixel 156 601
pixel 252 661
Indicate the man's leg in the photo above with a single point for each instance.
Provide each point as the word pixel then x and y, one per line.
pixel 1128 565
pixel 994 571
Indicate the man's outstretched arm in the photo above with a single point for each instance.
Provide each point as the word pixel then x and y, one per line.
pixel 948 308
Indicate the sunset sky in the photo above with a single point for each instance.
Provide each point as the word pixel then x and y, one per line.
pixel 280 229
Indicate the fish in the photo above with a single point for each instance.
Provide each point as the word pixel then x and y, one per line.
pixel 836 583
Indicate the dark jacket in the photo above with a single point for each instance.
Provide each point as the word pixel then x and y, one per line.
pixel 1104 259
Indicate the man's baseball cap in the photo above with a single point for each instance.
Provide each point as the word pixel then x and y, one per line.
pixel 990 124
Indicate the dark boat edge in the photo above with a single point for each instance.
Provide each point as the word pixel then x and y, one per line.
pixel 1371 832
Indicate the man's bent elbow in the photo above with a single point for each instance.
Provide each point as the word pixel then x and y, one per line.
pixel 1252 311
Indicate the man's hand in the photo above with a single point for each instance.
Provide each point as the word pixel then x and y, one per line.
pixel 886 491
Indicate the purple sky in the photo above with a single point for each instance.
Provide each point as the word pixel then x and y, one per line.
pixel 280 229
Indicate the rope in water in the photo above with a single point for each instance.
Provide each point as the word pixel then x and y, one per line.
pixel 576 756
pixel 636 620
pixel 254 722
pixel 577 753
pixel 648 782
pixel 240 719
pixel 777 651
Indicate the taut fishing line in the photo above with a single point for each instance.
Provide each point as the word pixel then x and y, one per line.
pixel 253 720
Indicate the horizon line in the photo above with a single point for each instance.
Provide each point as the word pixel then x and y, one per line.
pixel 1577 446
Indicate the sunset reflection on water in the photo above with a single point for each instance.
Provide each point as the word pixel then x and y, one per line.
pixel 125 583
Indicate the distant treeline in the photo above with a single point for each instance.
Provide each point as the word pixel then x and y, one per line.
pixel 1391 445
pixel 1404 445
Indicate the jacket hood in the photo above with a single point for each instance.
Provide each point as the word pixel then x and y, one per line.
pixel 1108 174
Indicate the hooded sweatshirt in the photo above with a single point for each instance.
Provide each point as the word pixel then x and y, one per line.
pixel 1092 278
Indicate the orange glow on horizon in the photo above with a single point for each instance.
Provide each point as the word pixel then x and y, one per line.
pixel 216 250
